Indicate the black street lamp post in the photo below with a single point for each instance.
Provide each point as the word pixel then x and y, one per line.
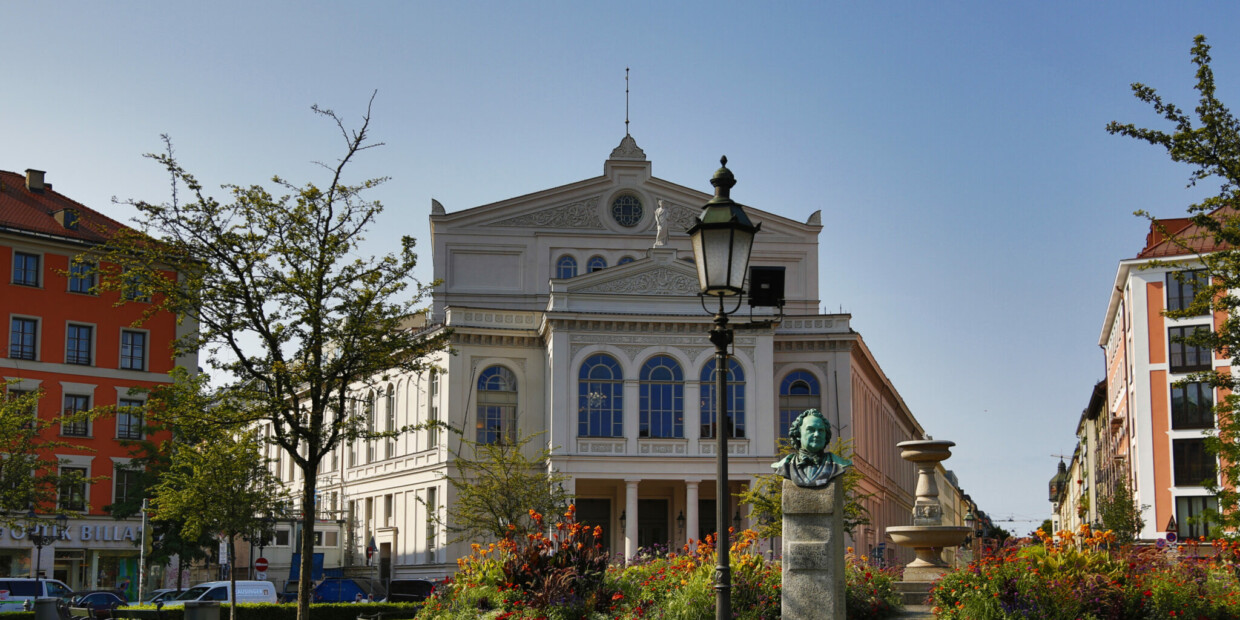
pixel 722 238
pixel 40 537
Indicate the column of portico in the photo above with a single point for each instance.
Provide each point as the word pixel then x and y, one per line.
pixel 691 510
pixel 630 524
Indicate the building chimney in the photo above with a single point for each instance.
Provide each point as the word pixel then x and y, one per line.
pixel 34 180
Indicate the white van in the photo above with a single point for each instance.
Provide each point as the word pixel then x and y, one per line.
pixel 15 591
pixel 247 592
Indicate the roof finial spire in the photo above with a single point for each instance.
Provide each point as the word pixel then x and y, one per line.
pixel 626 101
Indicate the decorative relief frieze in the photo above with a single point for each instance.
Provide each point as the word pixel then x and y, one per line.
pixel 583 214
pixel 707 446
pixel 595 446
pixel 518 320
pixel 661 446
pixel 495 340
pixel 661 281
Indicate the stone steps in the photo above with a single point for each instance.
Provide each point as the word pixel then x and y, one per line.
pixel 913 592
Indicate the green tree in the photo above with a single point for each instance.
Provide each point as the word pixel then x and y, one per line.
pixel 276 290
pixel 765 497
pixel 1121 513
pixel 498 484
pixel 219 485
pixel 1208 140
pixel 29 472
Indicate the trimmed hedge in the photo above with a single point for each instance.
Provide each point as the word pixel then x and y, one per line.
pixel 269 611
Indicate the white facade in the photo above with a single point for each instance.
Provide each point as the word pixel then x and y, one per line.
pixel 523 318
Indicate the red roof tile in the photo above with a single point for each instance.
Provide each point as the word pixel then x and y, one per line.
pixel 33 211
pixel 1181 237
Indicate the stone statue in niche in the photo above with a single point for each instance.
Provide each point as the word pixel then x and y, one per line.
pixel 812 465
pixel 660 221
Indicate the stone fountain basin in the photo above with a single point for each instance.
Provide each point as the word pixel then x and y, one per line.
pixel 923 536
pixel 921 450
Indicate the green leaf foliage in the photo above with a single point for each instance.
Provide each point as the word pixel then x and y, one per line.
pixel 1208 140
pixel 29 473
pixel 499 485
pixel 272 285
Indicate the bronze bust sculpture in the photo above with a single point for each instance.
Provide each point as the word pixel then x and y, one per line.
pixel 811 466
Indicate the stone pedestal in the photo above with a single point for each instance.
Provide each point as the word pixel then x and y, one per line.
pixel 813 548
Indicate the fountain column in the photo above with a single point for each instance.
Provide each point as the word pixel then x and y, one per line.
pixel 927 536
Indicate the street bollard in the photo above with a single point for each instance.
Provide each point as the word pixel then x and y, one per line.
pixel 202 610
pixel 45 609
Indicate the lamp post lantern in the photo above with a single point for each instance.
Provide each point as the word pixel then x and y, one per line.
pixel 40 537
pixel 722 238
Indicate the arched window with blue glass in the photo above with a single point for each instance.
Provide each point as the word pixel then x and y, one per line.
pixel 662 410
pixel 566 268
pixel 497 406
pixel 596 263
pixel 797 392
pixel 735 396
pixel 600 398
pixel 624 260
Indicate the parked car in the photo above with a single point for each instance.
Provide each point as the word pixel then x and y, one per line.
pixel 409 590
pixel 346 589
pixel 101 603
pixel 161 595
pixel 15 591
pixel 247 592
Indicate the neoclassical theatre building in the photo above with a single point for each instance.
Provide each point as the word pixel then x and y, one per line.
pixel 575 318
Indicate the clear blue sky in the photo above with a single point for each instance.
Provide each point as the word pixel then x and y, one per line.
pixel 974 207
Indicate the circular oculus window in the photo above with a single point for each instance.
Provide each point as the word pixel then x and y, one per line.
pixel 626 210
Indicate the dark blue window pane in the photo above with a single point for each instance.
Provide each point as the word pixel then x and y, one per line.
pixel 735 398
pixel 627 211
pixel 596 263
pixel 797 392
pixel 497 405
pixel 662 398
pixel 566 268
pixel 600 398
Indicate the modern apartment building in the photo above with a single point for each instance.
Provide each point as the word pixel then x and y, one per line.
pixel 1156 420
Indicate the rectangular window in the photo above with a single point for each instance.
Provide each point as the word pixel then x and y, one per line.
pixel 1192 406
pixel 133 350
pixel 124 483
pixel 281 538
pixel 73 488
pixel 1182 287
pixel 81 278
pixel 14 394
pixel 432 528
pixel 79 345
pixel 25 269
pixel 131 288
pixel 71 424
pixel 388 512
pixel 1189 523
pixel 432 434
pixel 1193 465
pixel 23 338
pixel 331 539
pixel 1186 357
pixel 389 404
pixel 129 419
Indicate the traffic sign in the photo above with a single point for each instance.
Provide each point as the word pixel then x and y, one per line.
pixel 260 575
pixel 260 564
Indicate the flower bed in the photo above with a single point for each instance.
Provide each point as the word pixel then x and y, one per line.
pixel 567 576
pixel 1086 576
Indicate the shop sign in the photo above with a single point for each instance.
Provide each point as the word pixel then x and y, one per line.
pixel 85 534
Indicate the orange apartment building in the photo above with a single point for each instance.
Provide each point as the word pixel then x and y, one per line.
pixel 83 351
pixel 1156 428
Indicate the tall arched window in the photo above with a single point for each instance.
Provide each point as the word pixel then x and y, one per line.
pixel 370 426
pixel 566 268
pixel 389 422
pixel 662 398
pixel 735 396
pixel 797 392
pixel 596 263
pixel 432 416
pixel 600 400
pixel 497 406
